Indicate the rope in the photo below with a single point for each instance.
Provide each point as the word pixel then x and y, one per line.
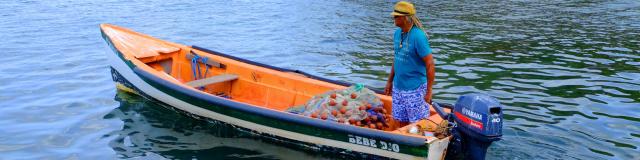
pixel 194 67
pixel 198 70
pixel 206 66
pixel 206 69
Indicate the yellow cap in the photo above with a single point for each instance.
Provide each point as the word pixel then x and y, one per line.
pixel 403 8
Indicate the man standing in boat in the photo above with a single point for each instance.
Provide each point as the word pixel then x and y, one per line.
pixel 413 68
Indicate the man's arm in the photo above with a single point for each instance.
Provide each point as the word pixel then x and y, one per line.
pixel 388 88
pixel 431 74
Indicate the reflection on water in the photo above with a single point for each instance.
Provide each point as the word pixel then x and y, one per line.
pixel 152 131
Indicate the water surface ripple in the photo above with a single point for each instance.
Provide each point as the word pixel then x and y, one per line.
pixel 568 72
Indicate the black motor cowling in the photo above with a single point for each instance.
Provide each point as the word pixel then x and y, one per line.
pixel 477 122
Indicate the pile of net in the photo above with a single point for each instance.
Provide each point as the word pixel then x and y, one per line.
pixel 355 105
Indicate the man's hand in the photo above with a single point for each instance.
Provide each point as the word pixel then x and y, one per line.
pixel 388 88
pixel 427 97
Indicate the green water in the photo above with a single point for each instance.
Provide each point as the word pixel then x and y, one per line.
pixel 567 72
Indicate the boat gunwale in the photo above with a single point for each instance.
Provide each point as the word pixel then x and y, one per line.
pixel 307 75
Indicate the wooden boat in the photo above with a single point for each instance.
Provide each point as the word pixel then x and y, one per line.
pixel 250 95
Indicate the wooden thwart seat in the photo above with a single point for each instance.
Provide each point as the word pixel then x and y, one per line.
pixel 212 80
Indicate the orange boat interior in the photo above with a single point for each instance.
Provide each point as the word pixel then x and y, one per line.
pixel 239 81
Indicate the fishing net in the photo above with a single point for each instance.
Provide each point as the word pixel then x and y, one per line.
pixel 355 105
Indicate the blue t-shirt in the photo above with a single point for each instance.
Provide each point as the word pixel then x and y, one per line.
pixel 409 68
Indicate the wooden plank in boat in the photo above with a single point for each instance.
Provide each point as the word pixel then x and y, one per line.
pixel 212 80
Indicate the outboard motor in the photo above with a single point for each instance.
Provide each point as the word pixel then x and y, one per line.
pixel 477 122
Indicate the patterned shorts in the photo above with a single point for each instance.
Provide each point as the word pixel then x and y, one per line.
pixel 409 106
